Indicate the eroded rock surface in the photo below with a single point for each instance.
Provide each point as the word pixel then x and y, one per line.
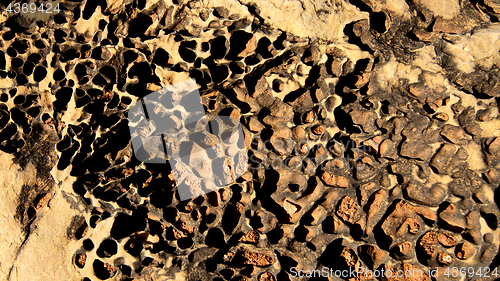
pixel 372 130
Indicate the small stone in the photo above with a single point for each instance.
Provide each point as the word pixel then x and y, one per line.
pixel 425 36
pixel 318 214
pixel 404 250
pixel 214 24
pixel 254 125
pixel 266 276
pixel 328 178
pixel 221 12
pixel 318 95
pixel 483 115
pixel 442 116
pixel 204 15
pixel 447 239
pixel 375 255
pixel 387 149
pixel 336 68
pixel 278 85
pixel 452 219
pixel 80 260
pixel 452 133
pixel 445 258
pixel 319 130
pixel 260 87
pixel 489 238
pixel 298 133
pixel 251 237
pixel 464 251
pixel 493 176
pixel 311 56
pixel 103 270
pixel 489 253
pixel 418 91
pixel 184 227
pixel 494 146
pixel 257 259
pixel 416 149
pixel 419 193
pixel 472 220
pixel 347 209
pixel 342 182
pixel 429 238
pixel 409 225
pixel 310 116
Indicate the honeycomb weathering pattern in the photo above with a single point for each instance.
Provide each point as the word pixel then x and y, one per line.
pixel 374 146
pixel 204 152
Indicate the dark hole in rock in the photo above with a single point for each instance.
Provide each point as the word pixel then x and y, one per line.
pixel 102 24
pixel 60 19
pixel 238 43
pixel 70 54
pixel 219 73
pixel 9 35
pixel 40 44
pixel 21 79
pixel 139 25
pixel 17 62
pixel 108 248
pixel 162 58
pixel 252 60
pixel 215 238
pixel 19 99
pixel 59 75
pixel 39 74
pixel 2 60
pixel 11 52
pixel 63 96
pixel 124 225
pixel 34 111
pixel 263 48
pixel 91 6
pixel 186 54
pixel 378 22
pixel 103 270
pixel 34 58
pixel 80 70
pixel 133 246
pixel 28 68
pixel 218 47
pixel 60 35
pixel 83 101
pixel 12 74
pixel 64 144
pixel 21 46
pixel 88 244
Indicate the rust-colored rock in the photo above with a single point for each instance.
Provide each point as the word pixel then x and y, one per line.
pixel 347 209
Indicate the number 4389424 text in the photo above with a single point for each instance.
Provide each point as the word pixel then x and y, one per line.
pixel 32 8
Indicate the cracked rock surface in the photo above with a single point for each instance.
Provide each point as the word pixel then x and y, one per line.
pixel 371 130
